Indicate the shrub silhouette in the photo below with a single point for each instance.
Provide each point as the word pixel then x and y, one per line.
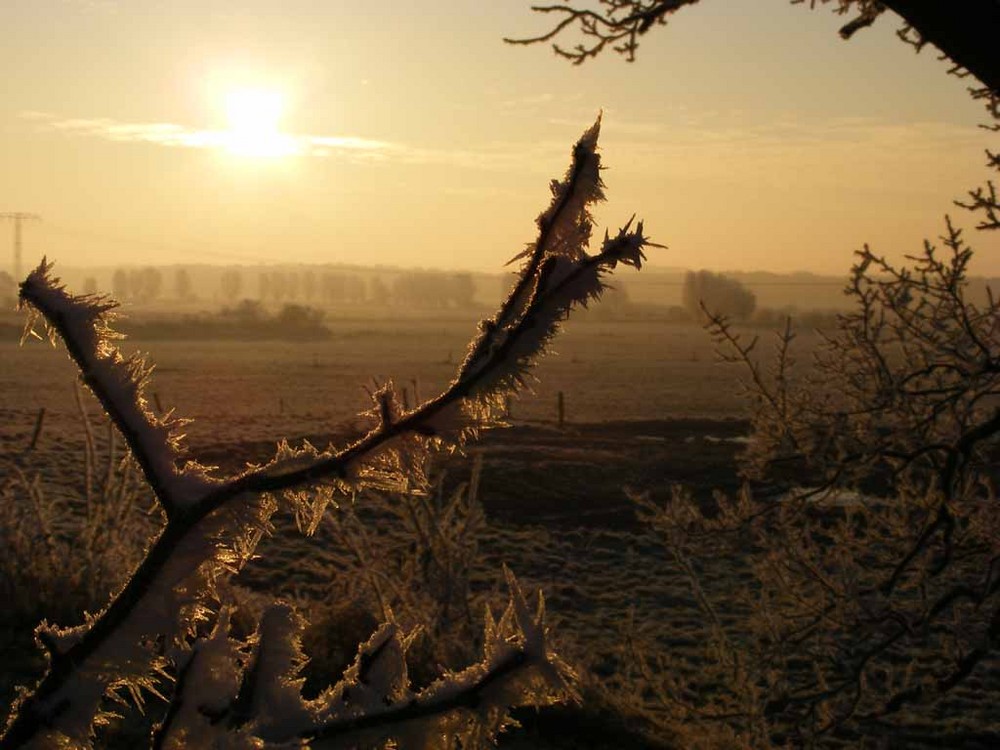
pixel 169 619
pixel 706 293
pixel 873 590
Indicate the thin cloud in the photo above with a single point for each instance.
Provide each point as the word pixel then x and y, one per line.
pixel 93 6
pixel 177 136
pixel 494 156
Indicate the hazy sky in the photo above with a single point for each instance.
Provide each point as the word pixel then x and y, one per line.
pixel 747 135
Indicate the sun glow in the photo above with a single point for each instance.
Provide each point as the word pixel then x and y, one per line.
pixel 254 117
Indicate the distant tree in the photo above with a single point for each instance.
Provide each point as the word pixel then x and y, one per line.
pixel 144 285
pixel 231 282
pixel 412 289
pixel 463 290
pixel 354 291
pixel 309 284
pixel 378 291
pixel 279 285
pixel 182 284
pixel 150 284
pixel 134 284
pixel 718 294
pixel 120 284
pixel 293 284
pixel 90 285
pixel 333 286
pixel 433 289
pixel 403 291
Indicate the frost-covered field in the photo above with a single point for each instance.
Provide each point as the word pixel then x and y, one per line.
pixel 646 404
pixel 244 396
pixel 263 390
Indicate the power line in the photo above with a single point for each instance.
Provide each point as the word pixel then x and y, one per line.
pixel 18 217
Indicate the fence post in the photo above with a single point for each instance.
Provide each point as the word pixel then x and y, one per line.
pixel 39 421
pixel 561 409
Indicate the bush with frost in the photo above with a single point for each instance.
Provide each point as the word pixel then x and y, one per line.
pixel 871 595
pixel 412 556
pixel 66 548
pixel 65 553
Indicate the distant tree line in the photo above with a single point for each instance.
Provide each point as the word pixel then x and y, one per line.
pixel 137 284
pixel 718 295
pixel 312 286
pixel 429 290
pixel 143 284
pixel 422 289
pixel 433 289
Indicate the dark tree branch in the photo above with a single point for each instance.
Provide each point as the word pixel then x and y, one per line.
pixel 966 31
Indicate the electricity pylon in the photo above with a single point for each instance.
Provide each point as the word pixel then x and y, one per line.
pixel 18 217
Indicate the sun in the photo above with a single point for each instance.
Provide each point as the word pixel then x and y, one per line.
pixel 254 118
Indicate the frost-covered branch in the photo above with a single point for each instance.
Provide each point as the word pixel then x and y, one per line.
pixel 83 323
pixel 214 525
pixel 222 695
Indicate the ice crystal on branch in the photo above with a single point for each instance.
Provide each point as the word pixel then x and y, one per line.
pixel 118 382
pixel 259 700
pixel 557 274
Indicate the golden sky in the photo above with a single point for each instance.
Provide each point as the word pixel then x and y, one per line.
pixel 747 135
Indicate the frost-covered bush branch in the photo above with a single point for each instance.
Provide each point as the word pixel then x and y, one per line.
pixel 212 526
pixel 413 554
pixel 877 579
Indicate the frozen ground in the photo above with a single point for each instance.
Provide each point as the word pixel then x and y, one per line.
pixel 646 406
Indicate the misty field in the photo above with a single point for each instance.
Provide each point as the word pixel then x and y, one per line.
pixel 646 406
pixel 264 390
